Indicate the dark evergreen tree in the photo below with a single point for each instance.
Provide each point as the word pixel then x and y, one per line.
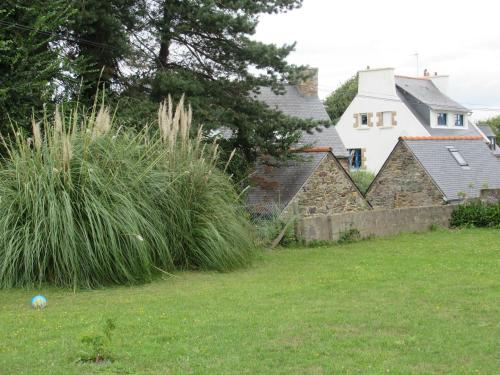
pixel 100 35
pixel 203 48
pixel 31 67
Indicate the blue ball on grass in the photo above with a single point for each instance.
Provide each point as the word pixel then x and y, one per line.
pixel 39 302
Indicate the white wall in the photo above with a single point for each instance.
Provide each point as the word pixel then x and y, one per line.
pixel 442 82
pixel 379 82
pixel 378 142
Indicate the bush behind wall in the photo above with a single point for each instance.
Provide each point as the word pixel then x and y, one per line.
pixel 477 214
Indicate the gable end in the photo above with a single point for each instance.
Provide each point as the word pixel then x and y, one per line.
pixel 403 182
pixel 328 190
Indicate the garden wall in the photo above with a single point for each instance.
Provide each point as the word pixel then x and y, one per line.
pixel 373 223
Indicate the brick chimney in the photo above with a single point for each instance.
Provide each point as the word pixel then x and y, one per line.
pixel 308 85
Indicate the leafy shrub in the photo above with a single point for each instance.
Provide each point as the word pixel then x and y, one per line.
pixel 477 214
pixel 98 345
pixel 85 205
pixel 349 236
pixel 362 179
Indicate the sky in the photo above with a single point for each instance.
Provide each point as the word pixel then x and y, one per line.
pixel 458 38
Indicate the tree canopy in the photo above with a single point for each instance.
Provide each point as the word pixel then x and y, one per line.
pixel 338 101
pixel 141 51
pixel 494 123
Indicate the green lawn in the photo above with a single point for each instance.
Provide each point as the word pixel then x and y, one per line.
pixel 412 304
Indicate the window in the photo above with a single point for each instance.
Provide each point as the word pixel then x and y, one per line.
pixel 459 120
pixel 387 119
pixel 355 158
pixel 442 119
pixel 364 119
pixel 458 157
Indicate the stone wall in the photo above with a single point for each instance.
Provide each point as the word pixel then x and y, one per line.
pixel 345 163
pixel 328 190
pixel 373 223
pixel 403 182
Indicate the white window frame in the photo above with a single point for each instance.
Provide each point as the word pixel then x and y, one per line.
pixel 457 116
pixel 445 116
pixel 387 118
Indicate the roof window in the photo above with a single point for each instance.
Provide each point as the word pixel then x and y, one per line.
pixel 458 157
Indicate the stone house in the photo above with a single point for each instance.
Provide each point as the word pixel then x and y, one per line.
pixel 315 183
pixel 427 171
pixel 388 106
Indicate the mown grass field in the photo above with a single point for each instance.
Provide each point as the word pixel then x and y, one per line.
pixel 412 304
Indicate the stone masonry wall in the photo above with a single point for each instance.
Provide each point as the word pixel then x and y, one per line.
pixel 327 191
pixel 403 182
pixel 377 223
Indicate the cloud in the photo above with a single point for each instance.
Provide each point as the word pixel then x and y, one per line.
pixel 458 38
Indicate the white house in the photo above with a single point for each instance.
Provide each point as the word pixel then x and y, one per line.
pixel 389 106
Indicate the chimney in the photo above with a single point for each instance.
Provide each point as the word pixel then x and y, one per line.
pixel 441 82
pixel 377 82
pixel 308 84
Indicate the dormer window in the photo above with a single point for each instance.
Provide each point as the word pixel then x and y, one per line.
pixel 442 119
pixel 459 120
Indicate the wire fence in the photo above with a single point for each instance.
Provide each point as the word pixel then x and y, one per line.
pixel 263 212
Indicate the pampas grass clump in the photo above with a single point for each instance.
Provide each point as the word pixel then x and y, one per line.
pixel 84 204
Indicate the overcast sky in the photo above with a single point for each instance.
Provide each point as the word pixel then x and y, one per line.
pixel 460 38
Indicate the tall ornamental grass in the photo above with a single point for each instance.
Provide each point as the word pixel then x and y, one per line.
pixel 84 204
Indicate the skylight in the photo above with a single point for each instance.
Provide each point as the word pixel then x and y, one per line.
pixel 458 156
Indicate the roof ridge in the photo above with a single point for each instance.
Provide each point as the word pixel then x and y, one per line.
pixel 313 149
pixel 422 78
pixel 442 138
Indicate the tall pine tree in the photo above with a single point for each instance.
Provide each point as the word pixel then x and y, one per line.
pixel 204 49
pixel 31 65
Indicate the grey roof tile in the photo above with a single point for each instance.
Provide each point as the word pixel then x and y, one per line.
pixel 450 177
pixel 293 103
pixel 425 91
pixel 486 129
pixel 412 103
pixel 275 186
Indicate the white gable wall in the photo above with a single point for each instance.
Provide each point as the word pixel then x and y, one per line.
pixel 377 142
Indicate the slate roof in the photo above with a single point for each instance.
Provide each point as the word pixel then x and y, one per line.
pixel 452 179
pixel 275 186
pixel 293 103
pixel 426 92
pixel 486 129
pixel 408 88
